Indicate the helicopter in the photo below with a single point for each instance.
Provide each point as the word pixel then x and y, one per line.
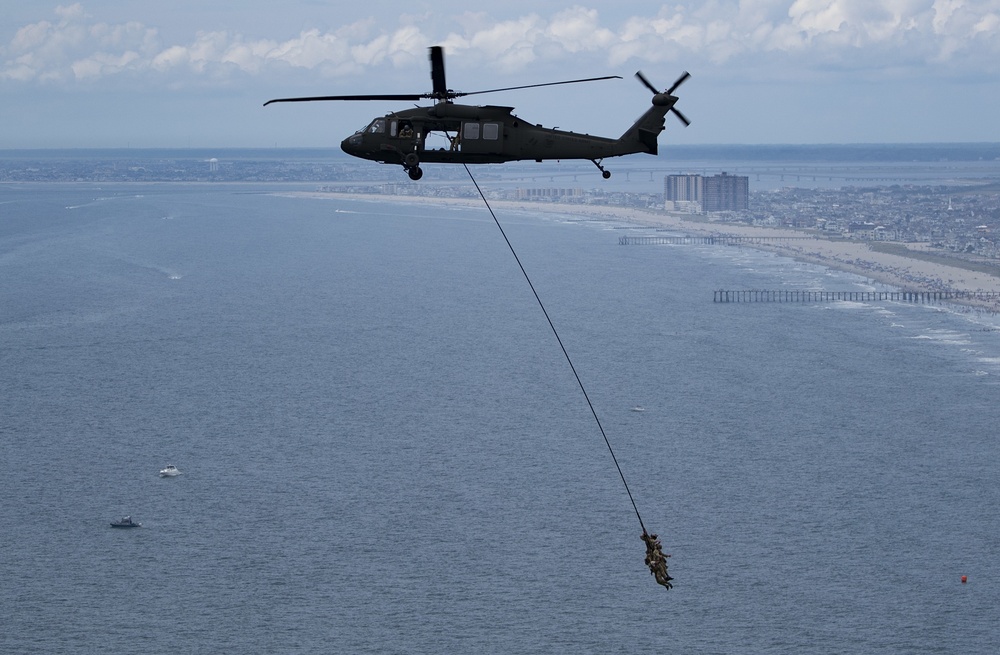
pixel 491 134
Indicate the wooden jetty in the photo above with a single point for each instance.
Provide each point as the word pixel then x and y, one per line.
pixel 801 295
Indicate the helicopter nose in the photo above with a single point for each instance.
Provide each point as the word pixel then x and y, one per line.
pixel 350 144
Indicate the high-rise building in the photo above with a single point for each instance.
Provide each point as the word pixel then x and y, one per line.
pixel 726 193
pixel 684 188
pixel 683 192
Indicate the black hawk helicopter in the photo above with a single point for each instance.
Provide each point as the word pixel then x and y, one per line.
pixel 491 134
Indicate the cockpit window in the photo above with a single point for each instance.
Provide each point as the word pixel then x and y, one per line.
pixel 377 126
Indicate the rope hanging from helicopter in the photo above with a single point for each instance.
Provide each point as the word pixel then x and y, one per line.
pixel 641 137
pixel 656 560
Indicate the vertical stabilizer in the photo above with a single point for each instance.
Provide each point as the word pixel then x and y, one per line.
pixel 641 137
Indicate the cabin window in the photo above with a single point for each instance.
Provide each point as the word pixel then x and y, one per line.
pixel 392 128
pixel 470 131
pixel 491 131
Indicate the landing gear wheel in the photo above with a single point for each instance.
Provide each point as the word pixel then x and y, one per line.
pixel 411 160
pixel 415 173
pixel 606 174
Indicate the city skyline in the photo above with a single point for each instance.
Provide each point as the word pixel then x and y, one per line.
pixel 113 73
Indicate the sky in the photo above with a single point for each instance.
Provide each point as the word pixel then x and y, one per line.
pixel 195 74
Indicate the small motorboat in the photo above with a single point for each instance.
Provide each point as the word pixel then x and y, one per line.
pixel 126 522
pixel 170 472
pixel 638 408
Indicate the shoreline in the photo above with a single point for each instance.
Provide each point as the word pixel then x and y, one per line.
pixel 891 269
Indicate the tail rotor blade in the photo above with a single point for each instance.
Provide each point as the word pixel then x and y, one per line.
pixel 680 80
pixel 679 115
pixel 642 78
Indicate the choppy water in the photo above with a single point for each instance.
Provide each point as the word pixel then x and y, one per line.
pixel 384 450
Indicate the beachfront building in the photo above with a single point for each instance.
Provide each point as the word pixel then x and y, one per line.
pixel 864 231
pixel 718 193
pixel 726 192
pixel 683 192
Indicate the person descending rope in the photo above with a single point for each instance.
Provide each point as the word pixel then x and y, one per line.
pixel 656 560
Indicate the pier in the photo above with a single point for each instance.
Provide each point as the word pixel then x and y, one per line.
pixel 792 296
pixel 718 240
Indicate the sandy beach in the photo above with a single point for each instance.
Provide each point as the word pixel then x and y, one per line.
pixel 897 270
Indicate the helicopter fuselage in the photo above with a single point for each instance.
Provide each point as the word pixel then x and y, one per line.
pixel 472 134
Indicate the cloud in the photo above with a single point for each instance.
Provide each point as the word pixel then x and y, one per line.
pixel 746 36
pixel 101 64
pixel 73 47
pixel 578 30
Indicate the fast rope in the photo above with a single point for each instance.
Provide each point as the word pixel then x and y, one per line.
pixel 565 352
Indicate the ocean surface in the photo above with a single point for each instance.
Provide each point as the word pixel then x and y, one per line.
pixel 384 450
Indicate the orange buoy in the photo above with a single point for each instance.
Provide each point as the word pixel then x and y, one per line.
pixel 964 579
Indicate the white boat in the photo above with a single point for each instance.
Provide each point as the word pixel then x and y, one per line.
pixel 170 472
pixel 638 408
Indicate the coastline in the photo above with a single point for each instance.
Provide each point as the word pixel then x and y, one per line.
pixel 891 269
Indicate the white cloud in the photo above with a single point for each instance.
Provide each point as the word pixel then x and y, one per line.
pixel 578 29
pixel 102 64
pixel 70 12
pixel 310 49
pixel 76 48
pixel 987 25
pixel 818 16
pixel 399 47
pixel 170 58
pixel 752 35
pixel 510 44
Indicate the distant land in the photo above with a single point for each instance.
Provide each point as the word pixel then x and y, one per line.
pixel 914 216
pixel 330 163
pixel 860 152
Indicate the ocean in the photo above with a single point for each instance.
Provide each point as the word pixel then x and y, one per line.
pixel 384 450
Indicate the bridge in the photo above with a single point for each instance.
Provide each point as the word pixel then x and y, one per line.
pixel 718 240
pixel 792 296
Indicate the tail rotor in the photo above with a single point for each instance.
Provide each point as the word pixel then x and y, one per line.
pixel 667 97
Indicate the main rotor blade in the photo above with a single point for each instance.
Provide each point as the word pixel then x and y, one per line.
pixel 680 80
pixel 642 78
pixel 532 86
pixel 382 97
pixel 437 72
